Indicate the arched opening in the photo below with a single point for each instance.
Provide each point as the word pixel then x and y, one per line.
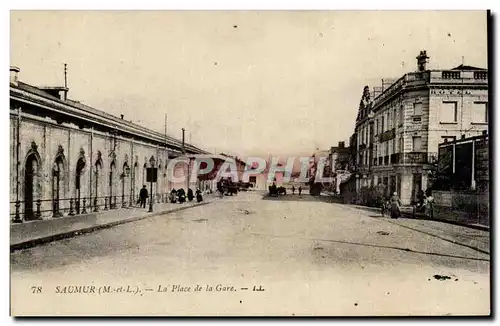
pixel 159 184
pixel 57 185
pixel 30 175
pixel 124 177
pixel 98 169
pixel 135 170
pixel 80 165
pixel 112 168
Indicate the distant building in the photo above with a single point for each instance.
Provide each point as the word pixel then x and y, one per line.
pixel 338 165
pixel 398 132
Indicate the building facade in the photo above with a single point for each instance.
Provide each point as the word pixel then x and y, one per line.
pixel 338 166
pixel 398 131
pixel 68 158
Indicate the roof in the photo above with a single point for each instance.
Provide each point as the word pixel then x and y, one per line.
pixel 464 67
pixel 102 114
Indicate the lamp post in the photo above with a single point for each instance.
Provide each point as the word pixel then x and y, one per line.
pixel 152 163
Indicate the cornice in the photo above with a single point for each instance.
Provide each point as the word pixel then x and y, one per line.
pixel 68 110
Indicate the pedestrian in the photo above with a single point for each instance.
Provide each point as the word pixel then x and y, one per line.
pixel 199 197
pixel 300 190
pixel 429 205
pixel 173 196
pixel 143 195
pixel 190 194
pixel 182 195
pixel 293 189
pixel 395 204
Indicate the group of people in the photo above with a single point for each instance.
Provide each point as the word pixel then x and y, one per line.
pixel 293 190
pixel 174 196
pixel 423 204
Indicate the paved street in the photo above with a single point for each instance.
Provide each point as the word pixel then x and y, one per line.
pixel 311 257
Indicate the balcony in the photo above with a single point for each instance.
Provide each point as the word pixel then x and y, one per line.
pixel 412 158
pixel 387 135
pixel 406 158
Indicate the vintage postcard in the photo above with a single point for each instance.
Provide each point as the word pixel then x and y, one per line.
pixel 249 163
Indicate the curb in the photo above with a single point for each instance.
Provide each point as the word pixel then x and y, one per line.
pixel 55 237
pixel 410 216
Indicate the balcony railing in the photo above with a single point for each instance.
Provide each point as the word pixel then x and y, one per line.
pixel 406 158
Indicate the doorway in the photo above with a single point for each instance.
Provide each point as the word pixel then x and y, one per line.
pixel 57 176
pixel 31 168
pixel 79 170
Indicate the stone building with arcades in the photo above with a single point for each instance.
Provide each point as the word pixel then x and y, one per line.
pixel 68 158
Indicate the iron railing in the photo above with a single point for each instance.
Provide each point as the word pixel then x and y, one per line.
pixel 74 206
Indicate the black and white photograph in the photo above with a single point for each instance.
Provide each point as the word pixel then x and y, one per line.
pixel 287 163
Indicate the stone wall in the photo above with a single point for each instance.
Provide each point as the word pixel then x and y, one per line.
pixel 112 166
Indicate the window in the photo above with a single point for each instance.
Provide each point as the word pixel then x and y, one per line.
pixel 401 115
pixel 386 148
pixel 445 139
pixel 417 143
pixel 376 126
pixel 401 144
pixel 480 112
pixel 394 118
pixel 417 109
pixel 449 112
pixel 383 125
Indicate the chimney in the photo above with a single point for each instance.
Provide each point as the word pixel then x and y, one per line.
pixel 341 144
pixel 422 60
pixel 13 75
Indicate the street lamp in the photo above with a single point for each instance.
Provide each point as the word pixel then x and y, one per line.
pixel 152 163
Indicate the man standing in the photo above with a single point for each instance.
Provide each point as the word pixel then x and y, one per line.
pixel 300 190
pixel 293 189
pixel 143 195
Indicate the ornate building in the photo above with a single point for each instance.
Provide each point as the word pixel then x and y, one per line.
pixel 68 158
pixel 398 131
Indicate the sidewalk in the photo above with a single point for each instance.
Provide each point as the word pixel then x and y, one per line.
pixel 29 234
pixel 407 212
pixel 471 236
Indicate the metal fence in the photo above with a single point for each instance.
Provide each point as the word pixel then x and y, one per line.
pixel 74 206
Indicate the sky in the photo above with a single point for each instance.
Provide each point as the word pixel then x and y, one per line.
pixel 241 82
